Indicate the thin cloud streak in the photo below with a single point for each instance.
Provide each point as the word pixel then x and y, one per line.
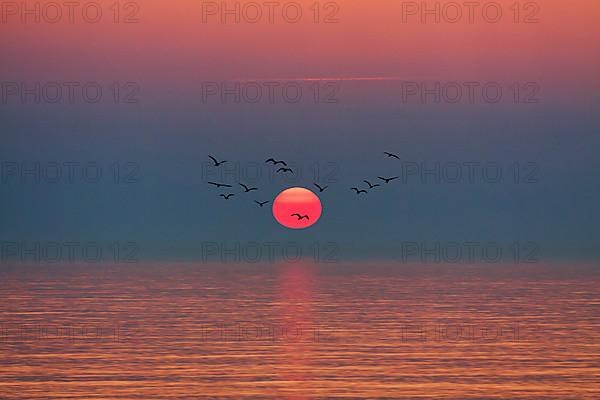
pixel 328 79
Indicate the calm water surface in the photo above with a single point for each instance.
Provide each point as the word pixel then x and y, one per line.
pixel 300 331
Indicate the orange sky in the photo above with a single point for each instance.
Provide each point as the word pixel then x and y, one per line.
pixel 171 43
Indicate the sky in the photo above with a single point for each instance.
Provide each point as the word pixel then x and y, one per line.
pixel 375 77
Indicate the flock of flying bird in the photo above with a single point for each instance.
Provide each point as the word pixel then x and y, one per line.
pixel 246 188
pixel 383 179
pixel 284 169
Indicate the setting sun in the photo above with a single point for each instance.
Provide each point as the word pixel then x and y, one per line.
pixel 297 208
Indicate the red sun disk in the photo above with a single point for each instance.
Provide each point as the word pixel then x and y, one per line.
pixel 297 200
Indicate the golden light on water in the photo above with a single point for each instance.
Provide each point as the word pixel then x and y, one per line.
pixel 179 332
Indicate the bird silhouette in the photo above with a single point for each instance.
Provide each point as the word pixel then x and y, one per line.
pixel 217 163
pixel 300 216
pixel 370 185
pixel 247 189
pixel 359 191
pixel 219 184
pixel 282 169
pixel 261 204
pixel 320 188
pixel 388 180
pixel 275 162
pixel 391 155
pixel 227 196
